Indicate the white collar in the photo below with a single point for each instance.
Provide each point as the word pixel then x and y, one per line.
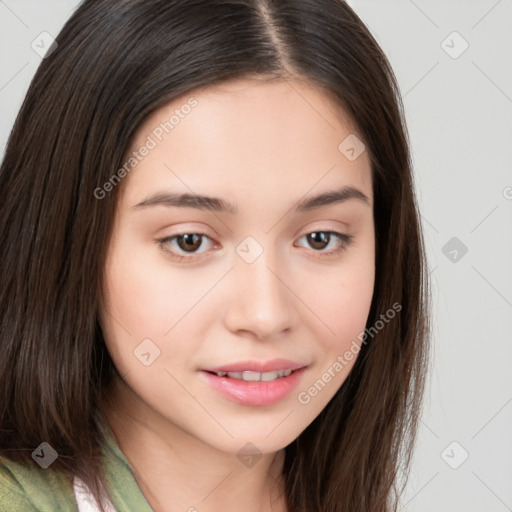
pixel 85 500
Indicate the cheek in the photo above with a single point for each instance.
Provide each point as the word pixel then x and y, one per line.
pixel 342 302
pixel 143 295
pixel 340 297
pixel 148 298
pixel 344 313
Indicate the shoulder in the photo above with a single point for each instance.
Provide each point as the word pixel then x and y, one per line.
pixel 26 487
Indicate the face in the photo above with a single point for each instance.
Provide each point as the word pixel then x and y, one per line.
pixel 191 286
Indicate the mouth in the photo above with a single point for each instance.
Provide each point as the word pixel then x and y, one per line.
pixel 254 388
pixel 278 364
pixel 250 376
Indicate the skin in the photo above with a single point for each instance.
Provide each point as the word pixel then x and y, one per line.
pixel 263 146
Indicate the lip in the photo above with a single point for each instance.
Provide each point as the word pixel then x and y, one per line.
pixel 254 392
pixel 257 366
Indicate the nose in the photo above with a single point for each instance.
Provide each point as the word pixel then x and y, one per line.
pixel 261 300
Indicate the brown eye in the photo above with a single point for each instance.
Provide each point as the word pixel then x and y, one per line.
pixel 319 240
pixel 178 246
pixel 184 246
pixel 189 241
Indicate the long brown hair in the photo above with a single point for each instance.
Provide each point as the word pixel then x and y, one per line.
pixel 116 62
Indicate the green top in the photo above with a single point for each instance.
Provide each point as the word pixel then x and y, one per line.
pixel 30 488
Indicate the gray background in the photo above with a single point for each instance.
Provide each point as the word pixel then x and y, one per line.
pixel 459 111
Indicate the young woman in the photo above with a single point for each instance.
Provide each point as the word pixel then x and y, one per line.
pixel 213 285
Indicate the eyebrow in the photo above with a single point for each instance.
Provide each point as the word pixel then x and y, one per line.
pixel 219 205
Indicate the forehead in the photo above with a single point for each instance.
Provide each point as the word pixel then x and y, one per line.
pixel 248 137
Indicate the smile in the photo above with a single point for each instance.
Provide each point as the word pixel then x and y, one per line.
pixel 254 388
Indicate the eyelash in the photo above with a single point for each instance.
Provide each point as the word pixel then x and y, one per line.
pixel 345 242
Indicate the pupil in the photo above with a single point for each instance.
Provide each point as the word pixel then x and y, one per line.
pixel 189 241
pixel 321 235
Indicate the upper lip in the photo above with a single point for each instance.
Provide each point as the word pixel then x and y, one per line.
pixel 257 366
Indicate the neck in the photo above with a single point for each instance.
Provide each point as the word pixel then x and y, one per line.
pixel 174 469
